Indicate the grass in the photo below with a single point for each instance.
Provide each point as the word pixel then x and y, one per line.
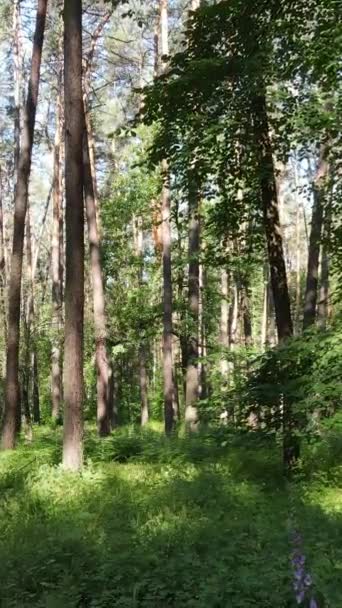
pixel 157 523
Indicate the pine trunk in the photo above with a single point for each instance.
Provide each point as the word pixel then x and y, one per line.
pixel 56 260
pixel 12 391
pixel 311 290
pixel 192 376
pixel 74 219
pixel 102 366
pixel 276 260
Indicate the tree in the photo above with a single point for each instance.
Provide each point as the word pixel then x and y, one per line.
pixel 74 221
pixel 12 391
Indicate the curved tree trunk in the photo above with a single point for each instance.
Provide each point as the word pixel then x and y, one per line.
pixel 74 220
pixel 12 392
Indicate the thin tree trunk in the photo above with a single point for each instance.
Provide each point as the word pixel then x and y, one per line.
pixel 311 290
pixel 30 322
pixel 323 304
pixel 276 260
pixel 169 388
pixel 192 378
pixel 224 326
pixel 17 70
pixel 202 335
pixel 265 310
pixel 3 281
pixel 246 313
pixel 271 221
pixel 56 254
pixel 12 391
pixel 138 238
pixel 103 414
pixel 167 304
pixel 74 219
pixel 143 386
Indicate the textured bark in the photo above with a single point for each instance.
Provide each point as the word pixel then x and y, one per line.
pixel 12 391
pixel 192 377
pixel 56 262
pixel 102 366
pixel 265 309
pixel 138 238
pixel 74 218
pixel 246 313
pixel 32 359
pixel 17 71
pixel 3 316
pixel 167 304
pixel 166 251
pixel 276 260
pixel 323 304
pixel 311 290
pixel 271 220
pixel 143 387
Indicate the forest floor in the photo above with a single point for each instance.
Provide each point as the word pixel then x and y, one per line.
pixel 157 523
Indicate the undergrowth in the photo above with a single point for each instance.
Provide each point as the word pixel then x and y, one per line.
pixel 155 522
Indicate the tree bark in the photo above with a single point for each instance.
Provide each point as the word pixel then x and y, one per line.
pixel 265 310
pixel 12 391
pixel 311 290
pixel 74 219
pixel 167 304
pixel 323 304
pixel 56 262
pixel 276 260
pixel 3 281
pixel 102 366
pixel 32 370
pixel 169 388
pixel 274 239
pixel 192 379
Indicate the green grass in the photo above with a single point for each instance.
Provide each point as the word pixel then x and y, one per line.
pixel 157 523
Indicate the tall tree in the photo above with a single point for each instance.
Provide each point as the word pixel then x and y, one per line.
pixel 12 392
pixel 166 252
pixel 74 220
pixel 311 290
pixel 192 377
pixel 102 367
pixel 92 213
pixel 269 199
pixel 56 254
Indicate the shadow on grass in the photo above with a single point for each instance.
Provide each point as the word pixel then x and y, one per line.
pixel 205 530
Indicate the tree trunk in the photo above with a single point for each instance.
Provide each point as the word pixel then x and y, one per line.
pixel 74 219
pixel 265 309
pixel 271 221
pixel 323 305
pixel 192 379
pixel 143 386
pixel 32 370
pixel 169 388
pixel 56 263
pixel 167 304
pixel 102 367
pixel 202 335
pixel 138 237
pixel 3 317
pixel 311 290
pixel 12 391
pixel 276 260
pixel 246 313
pixel 17 72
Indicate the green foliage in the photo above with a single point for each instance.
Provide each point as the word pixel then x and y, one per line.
pixel 162 522
pixel 306 372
